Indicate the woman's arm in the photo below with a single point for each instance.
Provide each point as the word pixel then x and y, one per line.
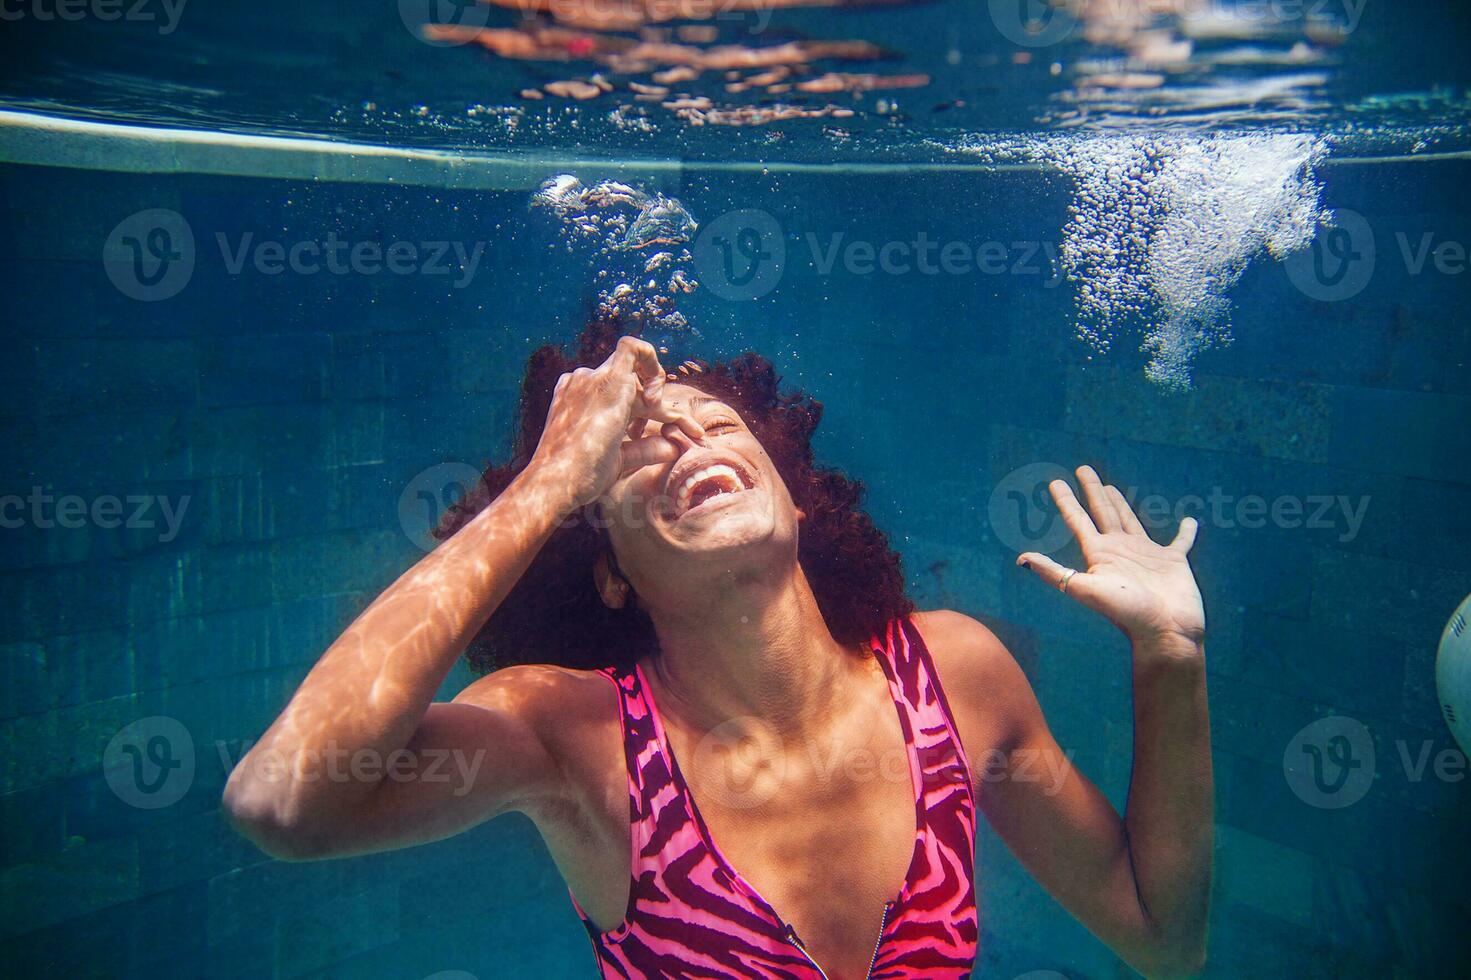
pixel 323 764
pixel 1141 883
pixel 359 759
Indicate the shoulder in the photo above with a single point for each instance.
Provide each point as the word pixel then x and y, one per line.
pixel 563 707
pixel 963 647
pixel 538 693
pixel 983 682
pixel 955 632
pixel 568 720
pixel 534 687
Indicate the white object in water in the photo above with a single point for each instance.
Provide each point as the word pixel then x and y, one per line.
pixel 1453 674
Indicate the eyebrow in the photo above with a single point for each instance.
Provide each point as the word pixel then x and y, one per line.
pixel 700 401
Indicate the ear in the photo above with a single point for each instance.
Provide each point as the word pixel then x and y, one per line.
pixel 612 587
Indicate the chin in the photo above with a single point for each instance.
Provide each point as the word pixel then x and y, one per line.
pixel 735 527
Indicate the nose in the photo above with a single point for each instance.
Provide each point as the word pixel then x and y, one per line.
pixel 678 436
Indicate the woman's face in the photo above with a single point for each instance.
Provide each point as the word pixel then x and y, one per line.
pixel 720 505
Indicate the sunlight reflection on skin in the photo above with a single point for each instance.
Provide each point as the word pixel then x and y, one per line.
pixel 372 689
pixel 752 686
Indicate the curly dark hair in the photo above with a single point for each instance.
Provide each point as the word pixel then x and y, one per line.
pixel 554 613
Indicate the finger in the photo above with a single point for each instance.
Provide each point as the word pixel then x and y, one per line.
pixel 1185 537
pixel 1099 503
pixel 638 356
pixel 1127 517
pixel 1046 569
pixel 648 451
pixel 1072 512
pixel 662 413
pixel 652 391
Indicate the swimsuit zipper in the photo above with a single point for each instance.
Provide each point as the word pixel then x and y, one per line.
pixel 796 941
pixel 883 923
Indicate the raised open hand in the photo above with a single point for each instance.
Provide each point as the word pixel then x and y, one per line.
pixel 1145 589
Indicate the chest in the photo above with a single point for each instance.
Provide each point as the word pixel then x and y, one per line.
pixel 823 829
pixel 821 832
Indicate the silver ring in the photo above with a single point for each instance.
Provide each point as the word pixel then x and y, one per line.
pixel 1066 578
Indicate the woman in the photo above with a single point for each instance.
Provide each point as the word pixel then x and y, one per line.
pixel 744 753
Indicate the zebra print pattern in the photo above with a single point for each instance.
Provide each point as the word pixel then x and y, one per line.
pixel 692 915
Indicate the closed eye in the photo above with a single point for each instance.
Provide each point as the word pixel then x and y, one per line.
pixel 718 424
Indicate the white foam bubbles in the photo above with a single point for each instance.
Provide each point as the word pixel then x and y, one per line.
pixel 639 242
pixel 1162 226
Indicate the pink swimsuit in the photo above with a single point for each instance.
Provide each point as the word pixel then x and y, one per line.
pixel 690 914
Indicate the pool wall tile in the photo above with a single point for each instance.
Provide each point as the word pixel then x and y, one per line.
pixel 294 413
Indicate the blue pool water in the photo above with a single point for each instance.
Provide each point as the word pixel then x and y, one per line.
pixel 270 280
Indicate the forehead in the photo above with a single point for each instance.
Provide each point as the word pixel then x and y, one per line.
pixel 691 399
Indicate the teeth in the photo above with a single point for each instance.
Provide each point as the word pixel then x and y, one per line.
pixel 716 469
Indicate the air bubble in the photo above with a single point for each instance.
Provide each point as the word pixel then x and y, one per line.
pixel 634 232
pixel 1161 227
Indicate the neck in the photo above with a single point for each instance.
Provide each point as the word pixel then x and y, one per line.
pixel 753 649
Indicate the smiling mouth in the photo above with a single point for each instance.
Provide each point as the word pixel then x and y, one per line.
pixel 708 483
